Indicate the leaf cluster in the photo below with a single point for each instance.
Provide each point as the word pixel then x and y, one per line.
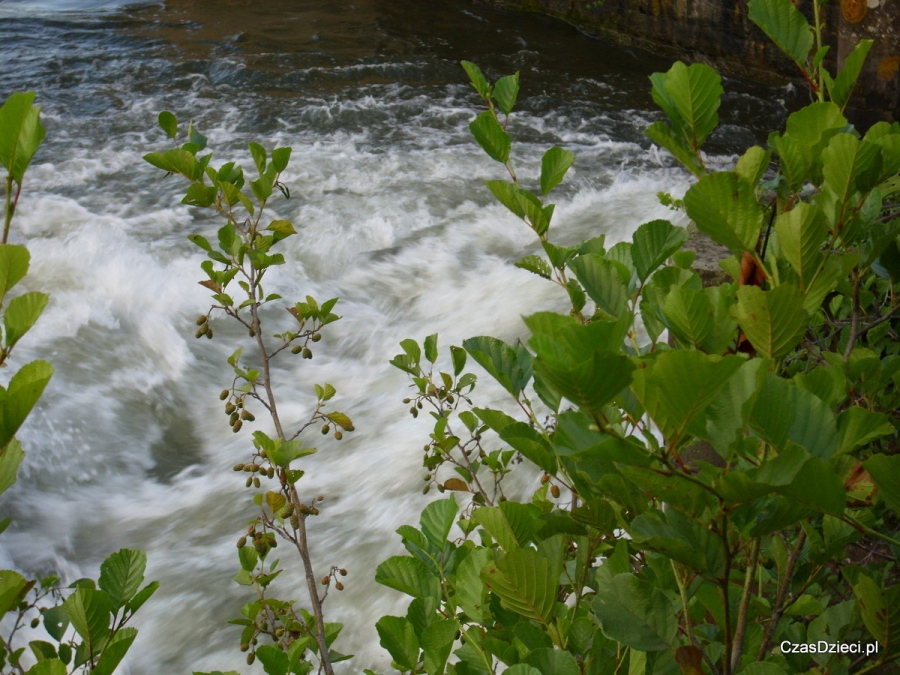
pixel 99 639
pixel 717 463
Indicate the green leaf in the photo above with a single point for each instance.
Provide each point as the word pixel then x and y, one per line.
pixel 261 188
pixel 554 165
pixel 522 669
pixel 842 86
pixel 654 242
pixel 21 314
pixel 785 412
pixel 12 586
pixel 671 489
pixel 690 315
pixel 122 574
pixel 506 91
pixel 880 611
pixel 695 91
pixel 753 164
pixel 508 194
pixel 817 486
pixel 796 159
pixel 551 662
pixel 14 260
pixel 576 294
pixel 773 321
pixel 25 388
pixel 535 265
pixel 56 622
pixel 808 132
pixel 524 583
pixel 341 420
pixel 197 139
pixel 282 453
pixel 885 472
pixel 636 614
pixel 168 123
pixel 473 660
pixel 677 387
pixel 858 427
pixel 437 519
pixel 494 521
pixel 459 359
pixel 431 350
pixel 785 25
pixel 280 158
pixel 510 365
pixel 437 641
pixel 663 98
pixel 200 195
pixel 248 557
pixel 259 156
pixel 42 650
pixel 115 651
pixel 471 594
pixel 408 575
pixel 495 419
pixel 399 639
pixel 89 611
pixel 727 414
pixel 281 228
pixel 531 444
pixel 11 457
pixel 833 271
pixel 663 135
pixel 49 667
pixel 476 77
pixel 559 255
pixel 682 539
pixel 724 206
pixel 847 162
pixel 274 661
pixel 588 377
pixel 21 133
pixel 591 383
pixel 522 203
pixel 605 280
pixel 177 160
pixel 491 136
pixel 801 234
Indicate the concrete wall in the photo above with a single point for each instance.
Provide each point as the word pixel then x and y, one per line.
pixel 718 32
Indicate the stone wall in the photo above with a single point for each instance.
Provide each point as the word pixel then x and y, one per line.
pixel 719 32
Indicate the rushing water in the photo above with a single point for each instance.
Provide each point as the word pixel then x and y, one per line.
pixel 129 446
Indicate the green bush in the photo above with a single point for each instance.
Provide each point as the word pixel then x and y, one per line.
pixel 85 623
pixel 239 262
pixel 719 467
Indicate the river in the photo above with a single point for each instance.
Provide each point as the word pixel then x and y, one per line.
pixel 129 446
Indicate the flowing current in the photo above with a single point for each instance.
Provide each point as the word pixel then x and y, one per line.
pixel 129 446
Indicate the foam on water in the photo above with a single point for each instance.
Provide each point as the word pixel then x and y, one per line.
pixel 72 9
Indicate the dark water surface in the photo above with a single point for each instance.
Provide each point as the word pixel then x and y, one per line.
pixel 129 446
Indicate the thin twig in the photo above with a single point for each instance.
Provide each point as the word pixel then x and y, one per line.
pixel 784 584
pixel 742 618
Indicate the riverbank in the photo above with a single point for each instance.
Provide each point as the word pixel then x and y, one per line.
pixel 720 33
